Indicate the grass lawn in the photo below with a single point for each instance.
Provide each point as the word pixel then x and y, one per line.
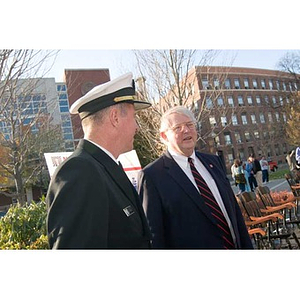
pixel 279 174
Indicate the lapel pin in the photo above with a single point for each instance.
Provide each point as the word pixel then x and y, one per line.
pixel 211 165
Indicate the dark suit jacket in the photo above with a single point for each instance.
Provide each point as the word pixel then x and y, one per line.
pixel 93 205
pixel 177 216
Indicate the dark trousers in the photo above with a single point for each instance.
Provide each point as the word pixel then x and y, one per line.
pixel 265 175
pixel 252 182
pixel 242 187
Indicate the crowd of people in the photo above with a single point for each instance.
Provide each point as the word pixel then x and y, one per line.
pixel 253 173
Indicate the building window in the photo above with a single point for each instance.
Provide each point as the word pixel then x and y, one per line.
pixel 241 154
pixel 262 118
pixel 284 117
pixel 263 84
pixel 295 86
pixel 274 100
pixel 256 134
pixel 240 101
pixel 244 119
pixel 284 86
pixel 249 99
pixel 253 119
pixel 227 138
pixel 254 82
pixel 205 84
pixel 212 121
pixel 238 137
pixel 277 116
pixel 277 85
pixel 62 96
pixel 217 141
pixel 281 101
pixel 223 121
pixel 61 88
pixel 63 109
pixel 246 83
pixel 270 117
pixel 270 84
pixel 227 84
pixel 216 83
pixel 220 101
pixel 209 104
pixel 266 100
pixel 236 83
pixel 258 101
pixel 230 101
pixel 234 120
pixel 247 136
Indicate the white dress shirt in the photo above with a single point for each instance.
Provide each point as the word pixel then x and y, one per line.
pixel 183 163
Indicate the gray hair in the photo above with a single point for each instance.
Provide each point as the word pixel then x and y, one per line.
pixel 181 110
pixel 99 116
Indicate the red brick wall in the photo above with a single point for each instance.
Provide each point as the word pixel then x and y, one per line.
pixel 79 82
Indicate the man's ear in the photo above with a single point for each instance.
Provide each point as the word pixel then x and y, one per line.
pixel 114 116
pixel 163 136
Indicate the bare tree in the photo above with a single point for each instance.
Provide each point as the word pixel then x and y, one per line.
pixel 290 63
pixel 25 116
pixel 171 77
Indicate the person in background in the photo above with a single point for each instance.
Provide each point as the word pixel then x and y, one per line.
pixel 265 169
pixel 238 175
pixel 256 169
pixel 247 185
pixel 186 195
pixel 251 178
pixel 291 160
pixel 91 202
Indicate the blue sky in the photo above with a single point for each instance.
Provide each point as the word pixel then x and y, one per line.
pixel 121 61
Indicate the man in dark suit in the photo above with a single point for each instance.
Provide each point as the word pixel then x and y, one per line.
pixel 186 195
pixel 91 202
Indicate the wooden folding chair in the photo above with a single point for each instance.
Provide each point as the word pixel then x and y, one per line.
pixel 270 207
pixel 295 187
pixel 259 227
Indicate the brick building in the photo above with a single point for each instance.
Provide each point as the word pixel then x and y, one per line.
pixel 243 111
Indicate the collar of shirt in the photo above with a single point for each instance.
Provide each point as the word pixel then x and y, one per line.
pixel 182 160
pixel 105 151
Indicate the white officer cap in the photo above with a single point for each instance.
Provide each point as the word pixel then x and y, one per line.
pixel 119 90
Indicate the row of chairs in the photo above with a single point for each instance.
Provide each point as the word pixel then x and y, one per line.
pixel 271 223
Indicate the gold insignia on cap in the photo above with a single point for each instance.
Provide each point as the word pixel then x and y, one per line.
pixel 124 98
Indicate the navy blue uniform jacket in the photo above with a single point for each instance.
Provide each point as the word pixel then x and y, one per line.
pixel 177 216
pixel 93 205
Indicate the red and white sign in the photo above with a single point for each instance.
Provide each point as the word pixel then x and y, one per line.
pixel 129 161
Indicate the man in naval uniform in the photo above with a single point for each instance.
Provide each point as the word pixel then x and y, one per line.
pixel 91 202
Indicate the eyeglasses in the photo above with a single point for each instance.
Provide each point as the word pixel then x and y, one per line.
pixel 180 127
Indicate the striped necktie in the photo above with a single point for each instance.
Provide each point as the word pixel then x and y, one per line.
pixel 213 206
